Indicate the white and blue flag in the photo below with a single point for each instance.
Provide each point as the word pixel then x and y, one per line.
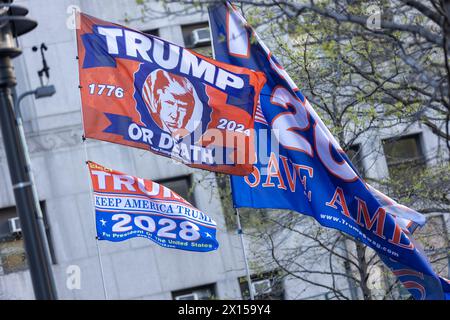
pixel 129 207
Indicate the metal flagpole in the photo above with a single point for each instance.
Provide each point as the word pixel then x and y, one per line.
pixel 238 219
pixel 37 205
pixel 247 269
pixel 99 255
pixel 91 191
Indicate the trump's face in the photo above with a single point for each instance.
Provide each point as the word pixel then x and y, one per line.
pixel 172 102
pixel 173 110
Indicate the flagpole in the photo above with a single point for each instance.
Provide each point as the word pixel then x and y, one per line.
pixel 99 255
pixel 91 190
pixel 238 218
pixel 244 251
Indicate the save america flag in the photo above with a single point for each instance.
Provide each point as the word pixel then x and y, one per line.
pixel 308 172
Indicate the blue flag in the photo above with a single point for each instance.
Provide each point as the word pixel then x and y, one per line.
pixel 128 207
pixel 301 166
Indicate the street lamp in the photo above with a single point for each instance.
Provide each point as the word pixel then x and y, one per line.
pixel 41 92
pixel 13 23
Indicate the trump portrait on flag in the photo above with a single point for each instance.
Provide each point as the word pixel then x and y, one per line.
pixel 173 102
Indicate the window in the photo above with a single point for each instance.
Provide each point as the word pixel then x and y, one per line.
pixel 197 37
pixel 434 238
pixel 355 156
pixel 182 186
pixel 153 32
pixel 12 251
pixel 403 156
pixel 266 286
pixel 12 246
pixel 206 292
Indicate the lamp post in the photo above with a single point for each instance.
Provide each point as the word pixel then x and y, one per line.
pixel 40 92
pixel 13 23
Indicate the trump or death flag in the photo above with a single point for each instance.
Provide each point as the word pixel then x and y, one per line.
pixel 128 207
pixel 142 91
pixel 301 167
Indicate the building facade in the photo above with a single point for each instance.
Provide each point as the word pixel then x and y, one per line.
pixel 137 268
pixel 134 269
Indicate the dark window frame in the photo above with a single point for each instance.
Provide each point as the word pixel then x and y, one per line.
pixel 191 194
pixel 19 236
pixel 210 286
pixel 190 27
pixel 418 137
pixel 358 159
pixel 152 32
pixel 405 160
pixel 277 286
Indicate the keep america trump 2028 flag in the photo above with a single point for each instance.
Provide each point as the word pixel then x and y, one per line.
pixel 128 207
